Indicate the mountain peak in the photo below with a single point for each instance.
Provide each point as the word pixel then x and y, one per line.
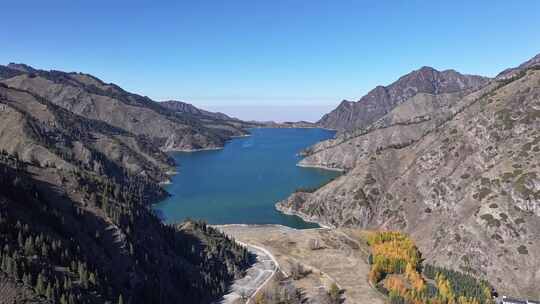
pixel 21 67
pixel 345 102
pixel 427 69
pixel 382 99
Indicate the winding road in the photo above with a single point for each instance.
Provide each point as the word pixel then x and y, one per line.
pixel 257 276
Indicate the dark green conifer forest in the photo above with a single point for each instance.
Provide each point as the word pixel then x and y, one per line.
pixel 101 243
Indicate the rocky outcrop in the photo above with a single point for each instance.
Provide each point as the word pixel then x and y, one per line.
pixel 378 102
pixel 458 171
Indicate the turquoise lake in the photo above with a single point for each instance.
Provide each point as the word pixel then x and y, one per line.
pixel 241 183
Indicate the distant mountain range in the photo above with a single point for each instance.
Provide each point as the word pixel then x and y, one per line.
pixel 170 126
pixel 452 159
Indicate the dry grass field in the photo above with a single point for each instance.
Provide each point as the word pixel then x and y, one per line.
pixel 324 256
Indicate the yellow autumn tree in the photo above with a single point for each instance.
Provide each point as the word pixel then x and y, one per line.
pixel 392 251
pixel 260 298
pixel 464 300
pixel 375 275
pixel 415 278
pixel 445 289
pixel 396 284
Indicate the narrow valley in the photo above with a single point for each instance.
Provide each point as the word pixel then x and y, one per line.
pixel 270 152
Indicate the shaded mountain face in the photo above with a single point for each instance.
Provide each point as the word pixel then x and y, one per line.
pixel 78 171
pixel 76 237
pixel 91 98
pixel 381 100
pixel 458 171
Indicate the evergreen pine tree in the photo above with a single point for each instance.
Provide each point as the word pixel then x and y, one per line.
pixel 44 250
pixel 49 291
pixel 20 239
pixel 92 279
pixel 15 269
pixel 63 299
pixel 83 275
pixel 105 202
pixel 40 284
pixel 3 264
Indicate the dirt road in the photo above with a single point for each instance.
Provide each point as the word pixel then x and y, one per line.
pixel 256 277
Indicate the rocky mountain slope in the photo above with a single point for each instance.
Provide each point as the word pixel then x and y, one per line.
pixel 458 171
pixel 378 102
pixel 223 123
pixel 77 175
pixel 91 98
pixel 45 134
pixel 187 108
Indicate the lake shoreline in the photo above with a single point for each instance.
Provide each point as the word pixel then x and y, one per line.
pixel 320 167
pixel 303 216
pixel 251 172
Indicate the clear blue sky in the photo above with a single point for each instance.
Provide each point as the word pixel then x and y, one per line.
pixel 230 53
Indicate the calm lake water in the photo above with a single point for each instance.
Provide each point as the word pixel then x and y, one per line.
pixel 242 182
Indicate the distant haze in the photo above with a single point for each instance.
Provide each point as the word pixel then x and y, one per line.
pixel 279 113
